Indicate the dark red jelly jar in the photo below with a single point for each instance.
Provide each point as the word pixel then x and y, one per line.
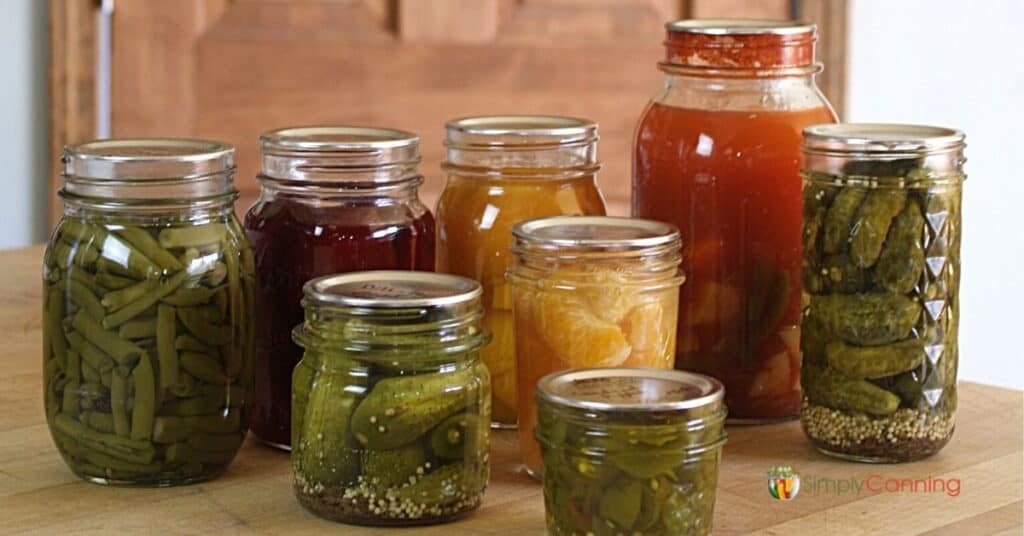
pixel 333 199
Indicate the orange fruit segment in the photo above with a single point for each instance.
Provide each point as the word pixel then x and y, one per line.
pixel 644 327
pixel 578 337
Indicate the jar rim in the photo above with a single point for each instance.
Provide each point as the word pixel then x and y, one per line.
pixel 392 289
pixel 519 131
pixel 142 159
pixel 312 139
pixel 640 390
pixel 726 26
pixel 880 138
pixel 593 232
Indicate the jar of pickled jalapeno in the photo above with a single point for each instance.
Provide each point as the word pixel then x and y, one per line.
pixel 590 291
pixel 332 199
pixel 147 331
pixel 881 272
pixel 503 170
pixel 390 403
pixel 630 451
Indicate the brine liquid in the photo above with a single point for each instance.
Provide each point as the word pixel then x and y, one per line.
pixel 730 181
pixel 294 242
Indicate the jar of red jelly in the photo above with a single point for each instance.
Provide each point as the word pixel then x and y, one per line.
pixel 717 153
pixel 333 199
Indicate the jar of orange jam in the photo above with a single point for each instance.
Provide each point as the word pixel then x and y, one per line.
pixel 717 153
pixel 503 170
pixel 590 291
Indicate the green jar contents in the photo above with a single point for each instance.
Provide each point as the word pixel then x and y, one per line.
pixel 390 402
pixel 147 313
pixel 629 451
pixel 881 270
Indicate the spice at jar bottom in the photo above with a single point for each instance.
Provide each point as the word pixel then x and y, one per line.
pixel 390 402
pixel 629 450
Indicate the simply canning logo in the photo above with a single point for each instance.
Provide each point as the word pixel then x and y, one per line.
pixel 783 482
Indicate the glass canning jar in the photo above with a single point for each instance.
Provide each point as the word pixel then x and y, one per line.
pixel 503 170
pixel 147 331
pixel 333 199
pixel 881 277
pixel 717 153
pixel 630 451
pixel 391 404
pixel 590 291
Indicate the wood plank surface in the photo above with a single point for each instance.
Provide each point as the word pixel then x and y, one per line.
pixel 39 495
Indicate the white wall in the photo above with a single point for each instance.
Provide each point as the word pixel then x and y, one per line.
pixel 960 64
pixel 23 165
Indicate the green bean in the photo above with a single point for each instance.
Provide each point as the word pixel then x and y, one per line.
pixel 70 401
pixel 149 247
pixel 107 378
pixel 215 442
pixel 90 355
pixel 145 400
pixel 132 310
pixel 170 429
pixel 188 342
pixel 101 422
pixel 119 404
pixel 233 359
pixel 202 367
pixel 74 365
pixel 125 353
pixel 139 328
pixel 191 296
pixel 121 467
pixel 131 260
pixel 116 299
pixel 197 322
pixel 187 386
pixel 167 355
pixel 78 254
pixel 81 295
pixel 53 329
pixel 88 280
pixel 183 452
pixel 90 373
pixel 113 282
pixel 77 231
pixel 119 447
pixel 216 275
pixel 194 236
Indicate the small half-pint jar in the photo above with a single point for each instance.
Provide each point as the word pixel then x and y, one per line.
pixel 630 450
pixel 590 291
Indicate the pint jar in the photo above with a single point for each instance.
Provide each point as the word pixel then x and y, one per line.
pixel 390 402
pixel 630 451
pixel 503 170
pixel 881 278
pixel 590 291
pixel 717 153
pixel 147 320
pixel 332 199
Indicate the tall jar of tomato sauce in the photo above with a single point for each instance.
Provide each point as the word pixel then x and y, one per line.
pixel 503 170
pixel 333 199
pixel 717 153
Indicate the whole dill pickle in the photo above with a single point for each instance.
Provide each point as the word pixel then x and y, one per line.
pixel 457 436
pixel 399 410
pixel 873 362
pixel 872 224
pixel 901 262
pixel 447 484
pixel 839 218
pixel 325 454
pixel 841 274
pixel 866 319
pixel 393 467
pixel 835 391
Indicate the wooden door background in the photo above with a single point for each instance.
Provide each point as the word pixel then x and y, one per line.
pixel 231 69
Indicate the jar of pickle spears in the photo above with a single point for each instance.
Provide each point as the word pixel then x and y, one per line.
pixel 332 199
pixel 717 153
pixel 881 274
pixel 390 403
pixel 630 451
pixel 503 170
pixel 590 291
pixel 147 319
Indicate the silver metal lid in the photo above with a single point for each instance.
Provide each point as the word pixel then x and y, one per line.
pixel 388 289
pixel 630 389
pixel 740 27
pixel 147 158
pixel 595 232
pixel 520 130
pixel 880 138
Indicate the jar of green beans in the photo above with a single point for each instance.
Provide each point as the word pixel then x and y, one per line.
pixel 147 307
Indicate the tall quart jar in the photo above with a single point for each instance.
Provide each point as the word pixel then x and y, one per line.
pixel 881 272
pixel 503 170
pixel 630 451
pixel 147 319
pixel 717 153
pixel 590 291
pixel 333 199
pixel 391 404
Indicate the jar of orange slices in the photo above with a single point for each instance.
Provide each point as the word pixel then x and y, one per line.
pixel 590 291
pixel 503 170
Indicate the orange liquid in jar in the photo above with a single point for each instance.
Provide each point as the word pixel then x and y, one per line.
pixel 730 181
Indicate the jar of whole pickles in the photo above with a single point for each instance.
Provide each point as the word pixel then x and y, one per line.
pixel 717 153
pixel 332 199
pixel 503 170
pixel 590 291
pixel 881 278
pixel 147 320
pixel 390 403
pixel 630 451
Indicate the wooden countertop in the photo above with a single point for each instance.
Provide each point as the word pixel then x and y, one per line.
pixel 39 494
